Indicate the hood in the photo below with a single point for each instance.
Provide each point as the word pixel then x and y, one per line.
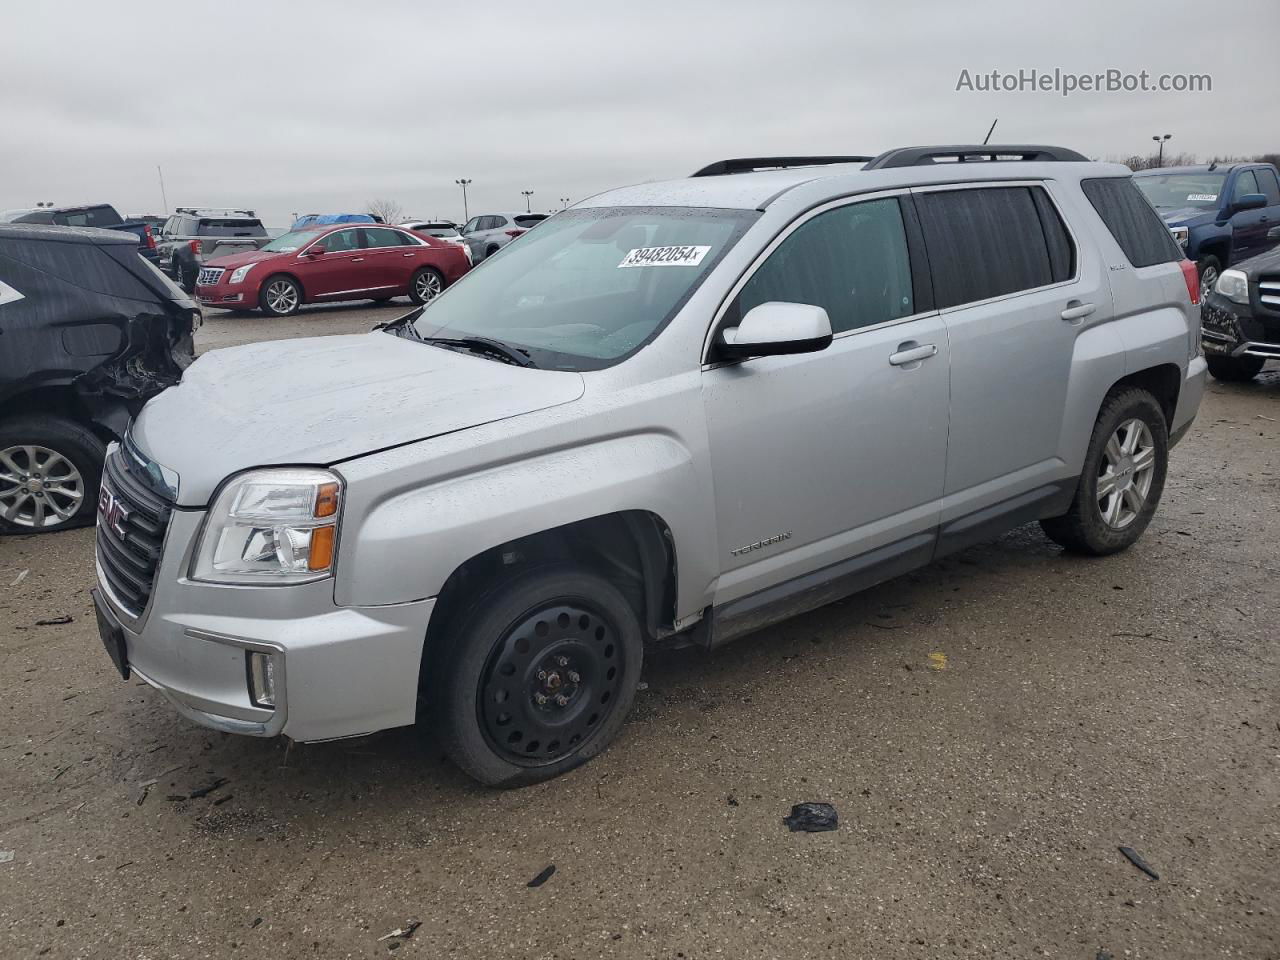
pixel 233 260
pixel 1186 216
pixel 326 399
pixel 1255 268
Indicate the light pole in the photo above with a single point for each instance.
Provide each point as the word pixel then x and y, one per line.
pixel 164 201
pixel 1160 140
pixel 528 208
pixel 564 203
pixel 463 184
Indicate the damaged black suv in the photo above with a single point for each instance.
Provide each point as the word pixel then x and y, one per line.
pixel 89 331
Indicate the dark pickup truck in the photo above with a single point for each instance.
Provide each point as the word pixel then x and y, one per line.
pixel 101 215
pixel 192 236
pixel 1220 213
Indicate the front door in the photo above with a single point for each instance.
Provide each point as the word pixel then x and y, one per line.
pixel 821 457
pixel 336 271
pixel 1248 227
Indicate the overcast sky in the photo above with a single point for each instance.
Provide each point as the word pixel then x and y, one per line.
pixel 314 105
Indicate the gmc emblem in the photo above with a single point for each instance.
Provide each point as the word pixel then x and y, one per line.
pixel 111 512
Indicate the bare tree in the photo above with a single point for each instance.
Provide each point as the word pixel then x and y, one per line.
pixel 388 211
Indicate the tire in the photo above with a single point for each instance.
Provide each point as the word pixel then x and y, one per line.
pixel 557 632
pixel 1210 268
pixel 425 285
pixel 380 300
pixel 1235 369
pixel 1084 528
pixel 34 450
pixel 491 250
pixel 280 296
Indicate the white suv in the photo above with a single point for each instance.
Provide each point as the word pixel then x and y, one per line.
pixel 676 412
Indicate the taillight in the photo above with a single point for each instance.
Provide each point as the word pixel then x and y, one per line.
pixel 194 245
pixel 1192 276
pixel 149 236
pixel 514 233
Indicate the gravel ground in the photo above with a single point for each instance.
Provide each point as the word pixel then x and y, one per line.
pixel 990 729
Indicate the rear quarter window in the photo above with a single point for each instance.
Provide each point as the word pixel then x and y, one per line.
pixel 1134 223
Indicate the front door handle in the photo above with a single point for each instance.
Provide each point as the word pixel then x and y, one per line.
pixel 908 353
pixel 407 254
pixel 1077 311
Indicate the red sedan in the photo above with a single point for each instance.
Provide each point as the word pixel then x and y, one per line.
pixel 328 264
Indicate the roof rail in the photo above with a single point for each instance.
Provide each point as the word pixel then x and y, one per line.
pixel 750 164
pixel 966 153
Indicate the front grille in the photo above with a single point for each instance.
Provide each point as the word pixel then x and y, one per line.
pixel 1269 293
pixel 209 276
pixel 132 520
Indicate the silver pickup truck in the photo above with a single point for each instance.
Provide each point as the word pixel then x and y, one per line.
pixel 194 235
pixel 674 413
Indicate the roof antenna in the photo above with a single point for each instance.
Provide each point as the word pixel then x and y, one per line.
pixel 987 138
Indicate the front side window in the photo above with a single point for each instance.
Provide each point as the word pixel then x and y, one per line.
pixel 990 242
pixel 851 261
pixel 1270 186
pixel 590 286
pixel 471 225
pixel 1246 183
pixel 341 241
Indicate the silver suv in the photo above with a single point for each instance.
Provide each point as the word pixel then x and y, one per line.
pixel 486 235
pixel 676 412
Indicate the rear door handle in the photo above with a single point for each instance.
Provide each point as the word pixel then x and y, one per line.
pixel 1077 311
pixel 406 254
pixel 910 354
pixel 357 259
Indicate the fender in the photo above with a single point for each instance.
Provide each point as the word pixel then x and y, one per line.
pixel 404 546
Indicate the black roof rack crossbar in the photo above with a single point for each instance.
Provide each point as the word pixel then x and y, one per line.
pixel 751 164
pixel 976 153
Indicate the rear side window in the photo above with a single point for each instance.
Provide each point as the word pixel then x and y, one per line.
pixel 852 261
pixel 92 217
pixel 1132 220
pixel 386 238
pixel 224 227
pixel 993 241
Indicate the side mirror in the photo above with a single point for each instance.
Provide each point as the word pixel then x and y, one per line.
pixel 1250 201
pixel 774 329
pixel 316 251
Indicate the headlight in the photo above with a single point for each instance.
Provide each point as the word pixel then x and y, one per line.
pixel 1180 234
pixel 240 273
pixel 271 527
pixel 1233 285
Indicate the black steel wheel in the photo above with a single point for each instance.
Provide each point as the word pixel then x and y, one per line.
pixel 550 680
pixel 534 676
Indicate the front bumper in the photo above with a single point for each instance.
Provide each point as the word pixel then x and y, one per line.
pixel 1230 329
pixel 339 671
pixel 229 295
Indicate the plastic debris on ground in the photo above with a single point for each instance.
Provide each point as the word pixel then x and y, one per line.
pixel 54 621
pixel 812 818
pixel 6 856
pixel 543 877
pixel 1132 856
pixel 402 933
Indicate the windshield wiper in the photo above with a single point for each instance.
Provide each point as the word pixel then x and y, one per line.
pixel 495 348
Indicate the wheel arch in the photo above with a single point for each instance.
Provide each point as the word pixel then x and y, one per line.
pixel 61 399
pixel 634 549
pixel 302 287
pixel 1163 381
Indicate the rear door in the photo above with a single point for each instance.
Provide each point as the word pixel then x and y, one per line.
pixel 1015 292
pixel 336 271
pixel 391 256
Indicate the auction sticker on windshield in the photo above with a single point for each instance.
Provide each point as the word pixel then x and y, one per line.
pixel 664 257
pixel 1202 197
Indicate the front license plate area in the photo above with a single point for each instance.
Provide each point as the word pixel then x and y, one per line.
pixel 112 635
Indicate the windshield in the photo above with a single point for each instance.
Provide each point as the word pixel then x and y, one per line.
pixel 1173 191
pixel 589 286
pixel 290 241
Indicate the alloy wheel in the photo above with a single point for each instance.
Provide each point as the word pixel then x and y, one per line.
pixel 39 487
pixel 427 286
pixel 1127 469
pixel 1208 279
pixel 550 682
pixel 282 296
